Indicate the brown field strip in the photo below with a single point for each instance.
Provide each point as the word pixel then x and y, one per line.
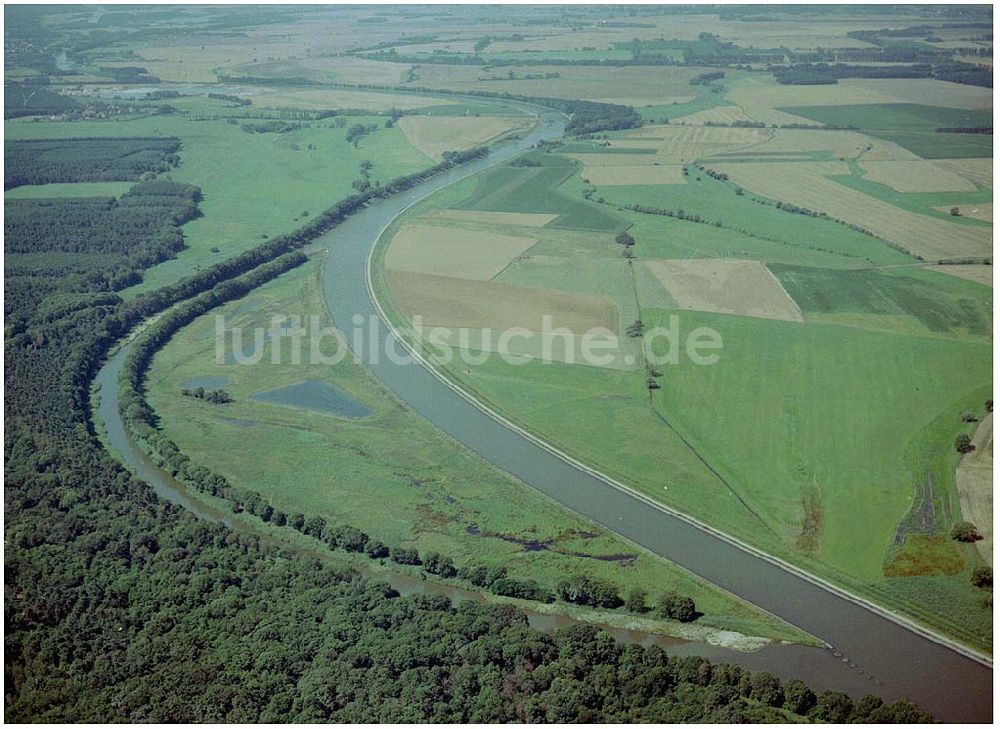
pixel 449 251
pixel 725 286
pixel 455 302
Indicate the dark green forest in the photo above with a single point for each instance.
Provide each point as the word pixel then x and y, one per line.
pixel 122 607
pixel 37 162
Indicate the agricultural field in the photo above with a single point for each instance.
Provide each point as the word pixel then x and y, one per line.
pixel 434 135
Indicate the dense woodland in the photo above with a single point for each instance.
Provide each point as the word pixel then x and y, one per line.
pixel 37 162
pixel 90 244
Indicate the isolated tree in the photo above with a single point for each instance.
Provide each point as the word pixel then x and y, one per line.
pixel 989 405
pixel 675 606
pixel 969 417
pixel 625 239
pixel 982 576
pixel 965 531
pixel 955 211
pixel 963 444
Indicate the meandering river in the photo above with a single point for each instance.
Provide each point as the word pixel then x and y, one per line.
pixel 869 651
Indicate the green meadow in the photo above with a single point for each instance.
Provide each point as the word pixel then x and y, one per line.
pixel 254 186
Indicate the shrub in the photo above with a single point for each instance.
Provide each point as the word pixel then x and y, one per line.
pixel 965 531
pixel 982 576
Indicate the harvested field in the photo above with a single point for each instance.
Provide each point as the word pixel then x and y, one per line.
pixel 805 185
pixel 762 98
pixel 976 169
pixel 974 481
pixel 977 211
pixel 972 272
pixel 449 251
pixel 527 220
pixel 915 176
pixel 842 144
pixel 634 174
pixel 685 144
pixel 718 115
pixel 434 135
pixel 455 302
pixel 725 286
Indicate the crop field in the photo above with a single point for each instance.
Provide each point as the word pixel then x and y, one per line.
pixel 535 190
pixel 915 176
pixel 434 135
pixel 429 490
pixel 450 251
pixel 978 273
pixel 458 302
pixel 978 170
pixel 308 169
pixel 912 125
pixel 808 186
pixel 725 286
pixel 634 174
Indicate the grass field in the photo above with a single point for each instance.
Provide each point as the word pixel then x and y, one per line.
pixel 725 286
pixel 69 189
pixel 451 251
pixel 430 492
pixel 306 171
pixel 535 190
